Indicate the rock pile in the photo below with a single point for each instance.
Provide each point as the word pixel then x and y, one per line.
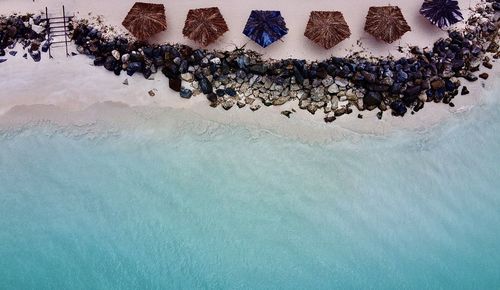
pixel 27 30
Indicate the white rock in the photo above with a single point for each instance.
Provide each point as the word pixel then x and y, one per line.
pixel 116 54
pixel 215 60
pixel 37 28
pixel 125 58
pixel 188 77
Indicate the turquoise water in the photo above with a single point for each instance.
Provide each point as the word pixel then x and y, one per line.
pixel 407 211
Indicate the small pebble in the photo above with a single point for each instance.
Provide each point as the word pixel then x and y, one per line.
pixel 484 76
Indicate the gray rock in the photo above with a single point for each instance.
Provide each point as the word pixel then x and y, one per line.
pixel 228 104
pixel 328 81
pixel 280 101
pixel 240 104
pixel 333 89
pixel 317 94
pixel 255 107
pixel 341 82
pixel 249 100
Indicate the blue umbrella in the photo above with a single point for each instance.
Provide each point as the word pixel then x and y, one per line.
pixel 442 13
pixel 265 27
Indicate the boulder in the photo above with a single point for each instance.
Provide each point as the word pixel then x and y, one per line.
pixel 372 99
pixel 133 67
pixel 398 108
pixel 175 84
pixel 110 63
pixel 205 86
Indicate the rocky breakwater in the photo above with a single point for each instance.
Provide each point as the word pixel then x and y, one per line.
pixel 26 30
pixel 333 87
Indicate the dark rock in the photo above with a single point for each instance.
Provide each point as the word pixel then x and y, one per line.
pixel 398 108
pixel 465 91
pixel 13 52
pixel 369 77
pixel 487 65
pixel 230 92
pixel 117 70
pixel 133 67
pixel 74 53
pixel 11 31
pixel 286 114
pixel 330 119
pixel 186 93
pixel 99 61
pixel 437 84
pixel 340 111
pixel 2 60
pixel 360 116
pixel 183 67
pixel 212 98
pixel 46 46
pixel 146 72
pixel 484 76
pixel 220 92
pixel 171 71
pixel 175 84
pixel 470 77
pixel 2 52
pixel 259 69
pixel 418 106
pixel 299 78
pixel 451 104
pixel 372 99
pixel 401 76
pixel 25 55
pixel 380 114
pixel 36 55
pixel 205 86
pixel 110 63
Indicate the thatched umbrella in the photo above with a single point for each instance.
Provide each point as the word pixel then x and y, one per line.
pixel 145 20
pixel 327 28
pixel 442 13
pixel 204 25
pixel 265 27
pixel 386 23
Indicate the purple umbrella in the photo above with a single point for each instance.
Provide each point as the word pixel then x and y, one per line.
pixel 442 13
pixel 265 27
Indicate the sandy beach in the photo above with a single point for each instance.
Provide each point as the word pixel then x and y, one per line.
pixel 73 84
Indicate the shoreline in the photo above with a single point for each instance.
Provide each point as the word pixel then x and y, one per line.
pixel 70 97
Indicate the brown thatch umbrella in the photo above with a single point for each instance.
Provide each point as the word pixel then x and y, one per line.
pixel 327 28
pixel 386 23
pixel 145 20
pixel 204 25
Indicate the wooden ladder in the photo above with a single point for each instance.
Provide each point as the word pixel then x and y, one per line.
pixel 56 29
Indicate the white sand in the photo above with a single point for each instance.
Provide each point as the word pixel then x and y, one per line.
pixel 74 84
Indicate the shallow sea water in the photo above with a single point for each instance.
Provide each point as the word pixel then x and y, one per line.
pixel 414 210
